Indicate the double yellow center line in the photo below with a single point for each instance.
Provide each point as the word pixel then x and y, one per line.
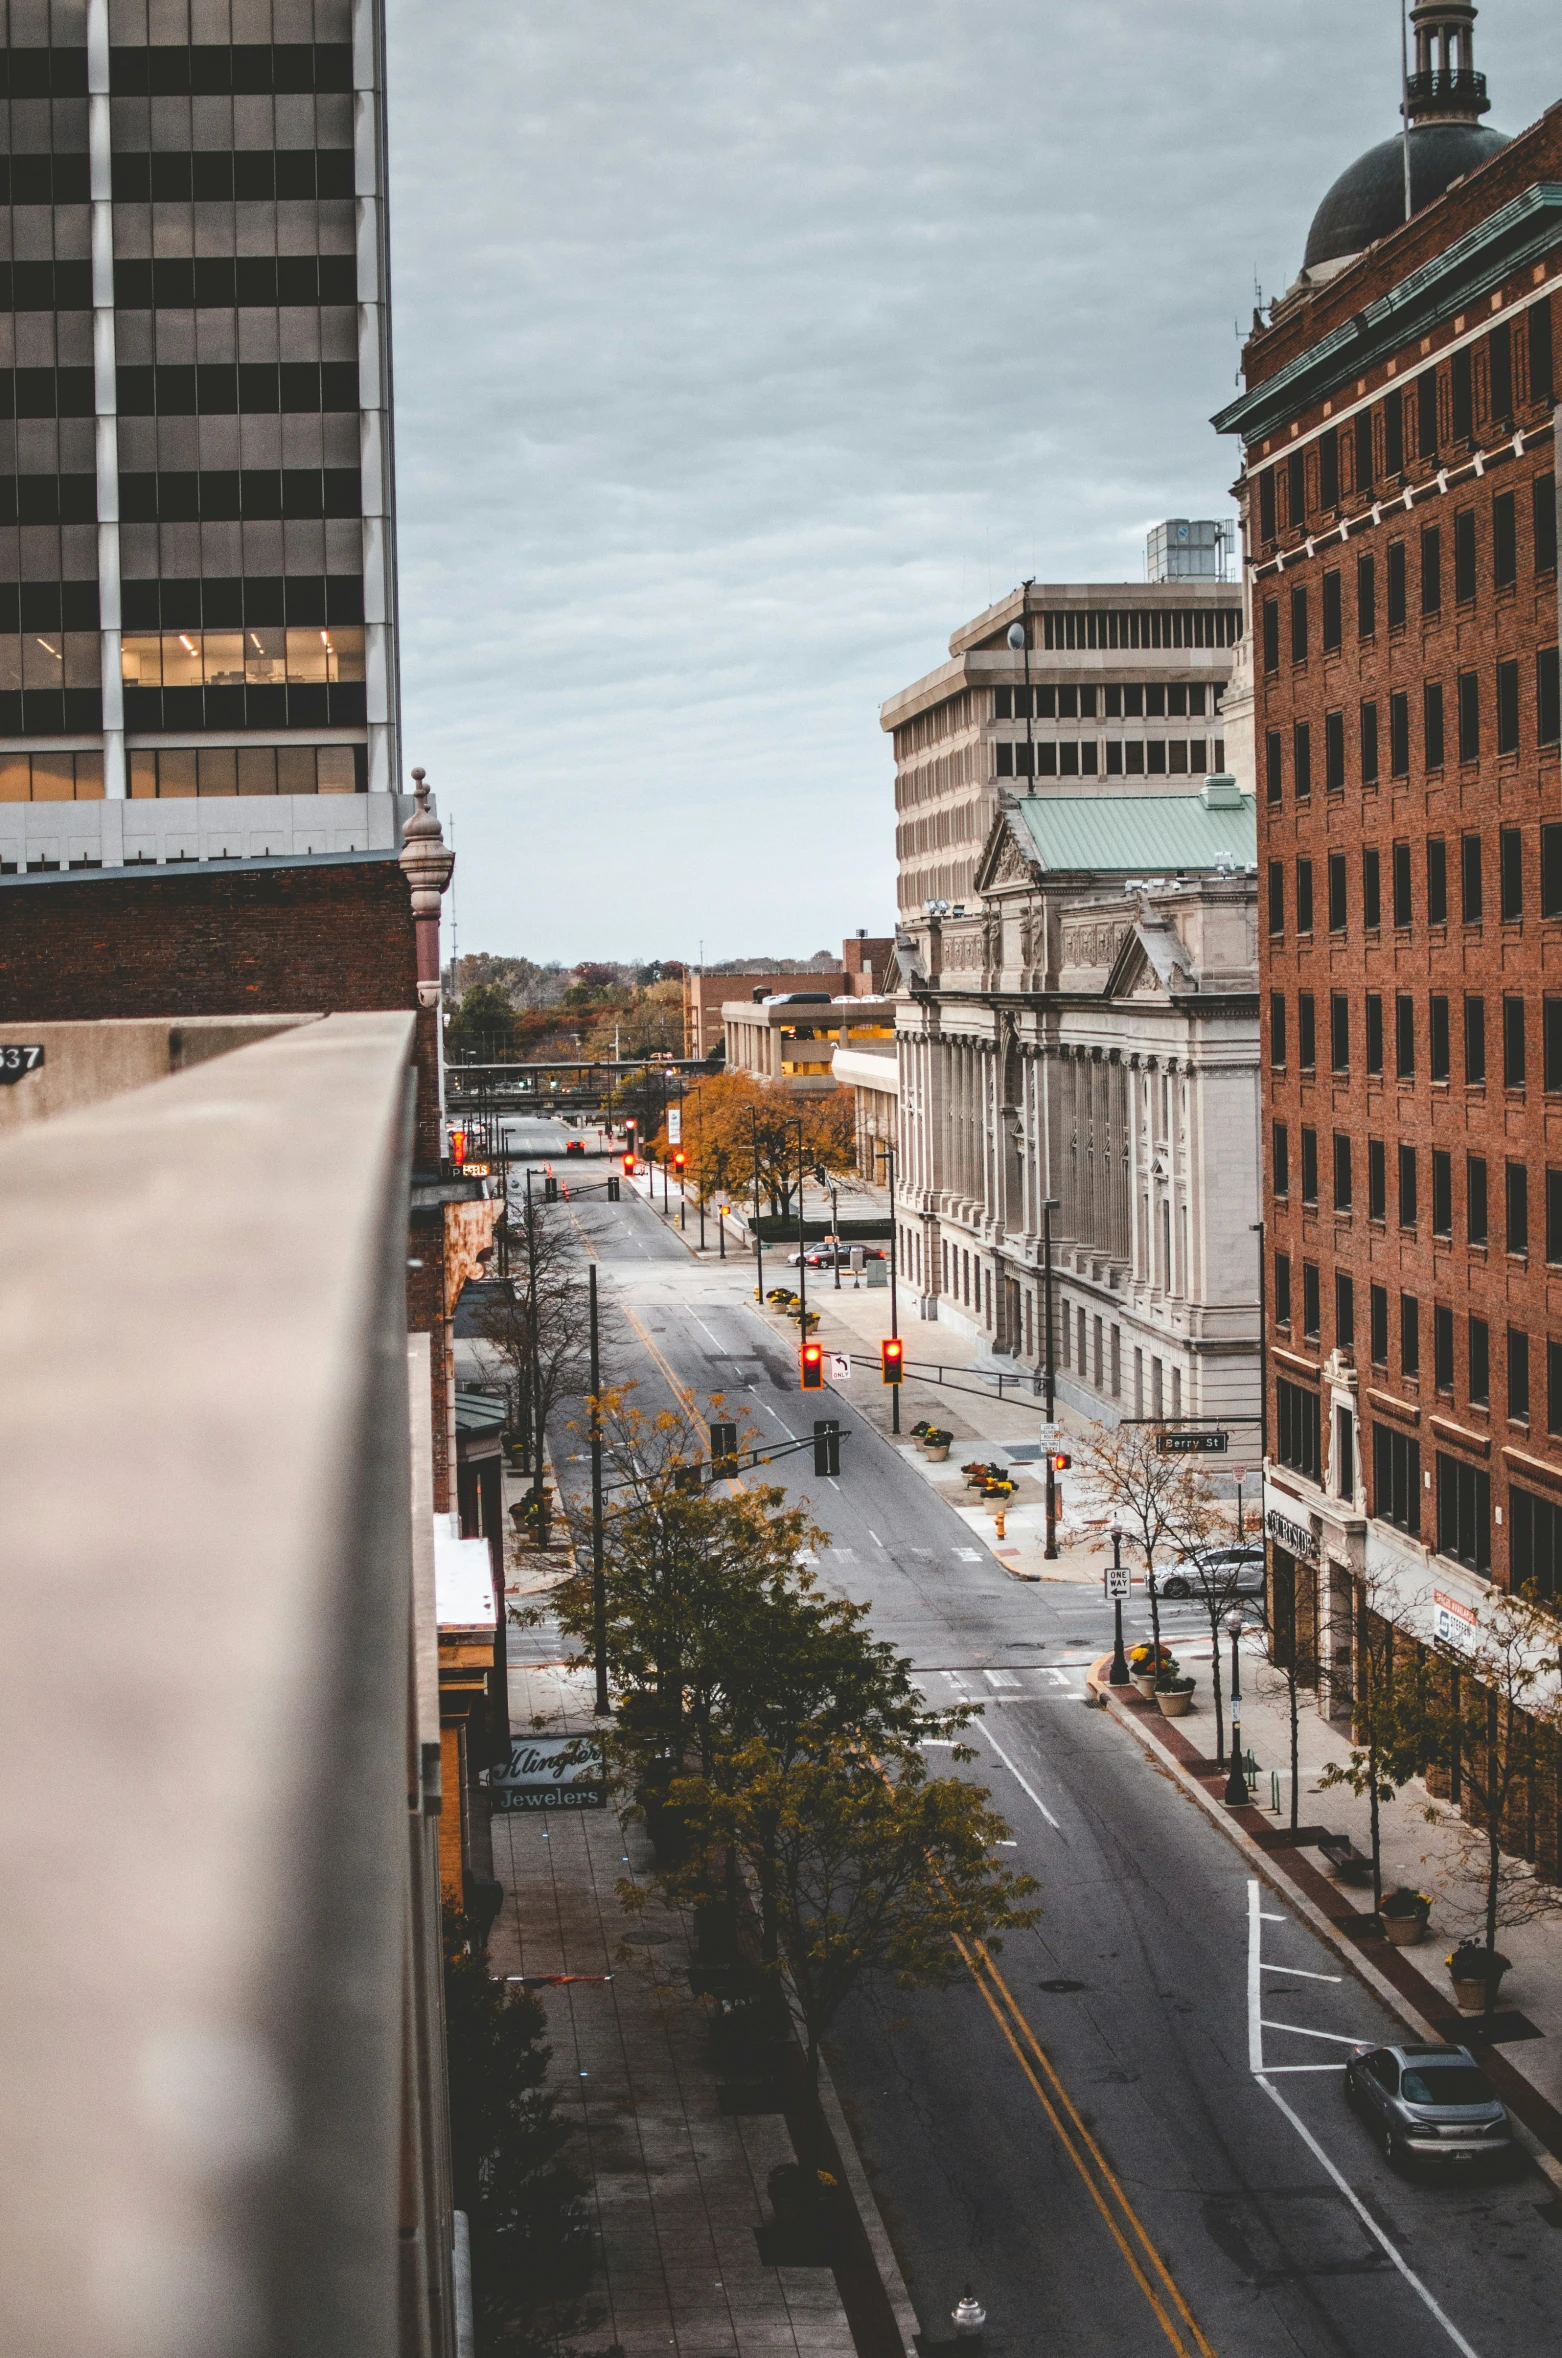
pixel 1126 2228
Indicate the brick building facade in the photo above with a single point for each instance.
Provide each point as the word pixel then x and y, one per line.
pixel 1400 509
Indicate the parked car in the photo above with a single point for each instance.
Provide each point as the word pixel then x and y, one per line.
pixel 574 1146
pixel 1239 1570
pixel 822 1256
pixel 1430 2104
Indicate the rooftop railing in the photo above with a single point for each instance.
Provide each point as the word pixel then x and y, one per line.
pixel 222 2109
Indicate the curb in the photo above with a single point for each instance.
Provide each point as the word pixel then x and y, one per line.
pixel 866 2204
pixel 1540 2134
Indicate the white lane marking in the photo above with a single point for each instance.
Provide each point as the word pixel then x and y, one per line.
pixel 1001 1680
pixel 1271 2068
pixel 1058 1675
pixel 873 1535
pixel 843 1555
pixel 1024 1783
pixel 704 1329
pixel 969 1555
pixel 1302 1972
pixel 1335 2038
pixel 830 1478
pixel 1255 2047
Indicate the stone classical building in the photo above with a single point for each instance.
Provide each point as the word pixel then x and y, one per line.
pixel 1114 688
pixel 1087 1032
pixel 1400 493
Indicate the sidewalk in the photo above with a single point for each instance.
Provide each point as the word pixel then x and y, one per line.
pixel 1523 2044
pixel 678 2175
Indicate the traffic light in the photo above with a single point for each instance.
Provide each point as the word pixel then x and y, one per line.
pixel 813 1367
pixel 629 1166
pixel 827 1445
pixel 678 1163
pixel 550 1189
pixel 1059 1462
pixel 892 1359
pixel 723 1451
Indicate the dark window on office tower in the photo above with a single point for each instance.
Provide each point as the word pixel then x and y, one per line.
pixel 1442 1346
pixel 1436 880
pixel 1266 504
pixel 1309 1165
pixel 1337 903
pixel 1396 1479
pixel 1274 765
pixel 1431 568
pixel 1277 1030
pixel 1553 1387
pixel 1399 734
pixel 1427 432
pixel 1469 716
pixel 1543 516
pixel 1371 888
pixel 1507 707
pixel 1462 396
pixel 1474 1041
pixel 1271 634
pixel 1344 1312
pixel 1296 489
pixel 1304 896
pixel 1374 1042
pixel 1437 1055
pixel 1410 1336
pixel 1407 1186
pixel 1280 1159
pixel 1517 1385
pixel 1334 752
pixel 1329 468
pixel 1518 1207
pixel 1442 1192
pixel 1478 1358
pixel 1463 1512
pixel 1302 759
pixel 1551 1045
pixel 1513 1058
pixel 1397 594
pixel 1366 598
pixel 1470 892
pixel 1339 1032
pixel 1298 1429
pixel 1548 697
pixel 1365 469
pixel 1333 613
pixel 1377 1180
pixel 1377 1323
pixel 1394 434
pixel 1475 1214
pixel 1510 874
pixel 1541 381
pixel 1283 1289
pixel 1399 872
pixel 1404 1037
pixel 1535 1543
pixel 1504 541
pixel 1312 1312
pixel 1499 373
pixel 1369 744
pixel 1554 1218
pixel 1299 622
pixel 1464 556
pixel 1306 1031
pixel 1432 723
pixel 1276 899
pixel 1342 1172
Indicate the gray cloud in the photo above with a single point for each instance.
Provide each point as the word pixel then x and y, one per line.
pixel 742 353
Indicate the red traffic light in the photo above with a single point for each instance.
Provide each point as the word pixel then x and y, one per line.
pixel 892 1359
pixel 1060 1463
pixel 629 1166
pixel 813 1367
pixel 678 1162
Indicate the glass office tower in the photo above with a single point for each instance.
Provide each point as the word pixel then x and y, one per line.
pixel 197 524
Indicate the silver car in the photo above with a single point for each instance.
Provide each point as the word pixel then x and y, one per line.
pixel 1232 1571
pixel 1430 2104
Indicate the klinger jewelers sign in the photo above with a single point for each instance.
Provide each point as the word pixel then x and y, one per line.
pixel 550 1772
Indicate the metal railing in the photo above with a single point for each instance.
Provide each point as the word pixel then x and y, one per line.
pixel 222 2117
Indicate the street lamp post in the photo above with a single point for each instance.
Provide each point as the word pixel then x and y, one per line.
pixel 598 1581
pixel 1117 1676
pixel 796 1123
pixel 759 1242
pixel 894 1287
pixel 1050 1373
pixel 1019 636
pixel 1236 1782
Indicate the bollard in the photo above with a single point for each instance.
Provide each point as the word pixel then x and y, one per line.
pixel 969 2317
pixel 1274 1791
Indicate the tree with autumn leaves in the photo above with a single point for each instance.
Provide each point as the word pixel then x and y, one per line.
pixel 730 1119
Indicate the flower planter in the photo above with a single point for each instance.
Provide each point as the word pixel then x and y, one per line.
pixel 1402 1932
pixel 1473 1980
pixel 1146 1686
pixel 936 1456
pixel 1175 1702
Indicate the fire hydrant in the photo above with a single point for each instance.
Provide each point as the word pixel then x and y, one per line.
pixel 969 2317
pixel 998 1522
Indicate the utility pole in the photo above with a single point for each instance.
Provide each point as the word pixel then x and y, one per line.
pixel 598 1580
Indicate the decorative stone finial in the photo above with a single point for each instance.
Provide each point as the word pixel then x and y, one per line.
pixel 427 862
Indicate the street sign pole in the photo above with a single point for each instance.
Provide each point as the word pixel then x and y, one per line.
pixel 1117 1583
pixel 598 1579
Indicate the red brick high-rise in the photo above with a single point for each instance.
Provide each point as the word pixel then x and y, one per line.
pixel 1400 505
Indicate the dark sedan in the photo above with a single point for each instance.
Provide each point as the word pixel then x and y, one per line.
pixel 1432 2104
pixel 823 1256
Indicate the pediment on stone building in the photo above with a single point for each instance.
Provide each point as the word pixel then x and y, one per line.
pixel 1005 862
pixel 1152 964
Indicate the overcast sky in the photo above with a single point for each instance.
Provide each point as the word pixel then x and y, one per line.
pixel 742 352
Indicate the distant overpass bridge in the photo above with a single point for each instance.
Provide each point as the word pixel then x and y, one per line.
pixel 580 1087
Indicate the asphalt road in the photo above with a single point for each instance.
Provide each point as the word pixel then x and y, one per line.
pixel 1131 2136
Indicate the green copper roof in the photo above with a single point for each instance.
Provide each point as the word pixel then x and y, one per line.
pixel 1137 834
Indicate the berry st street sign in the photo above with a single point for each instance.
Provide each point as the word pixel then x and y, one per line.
pixel 1175 1444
